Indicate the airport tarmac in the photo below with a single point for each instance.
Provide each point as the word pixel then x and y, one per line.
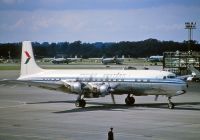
pixel 38 114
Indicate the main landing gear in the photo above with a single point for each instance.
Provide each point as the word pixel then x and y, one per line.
pixel 80 102
pixel 170 104
pixel 130 100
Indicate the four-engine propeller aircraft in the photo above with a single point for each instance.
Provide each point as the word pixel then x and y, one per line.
pixel 156 58
pixel 90 83
pixel 63 60
pixel 114 60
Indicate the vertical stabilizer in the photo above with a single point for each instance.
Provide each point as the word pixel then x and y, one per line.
pixel 193 70
pixel 28 64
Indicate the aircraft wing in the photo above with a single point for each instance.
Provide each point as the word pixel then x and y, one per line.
pixel 103 88
pixel 52 86
pixel 98 88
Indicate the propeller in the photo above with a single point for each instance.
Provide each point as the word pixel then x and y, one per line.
pixel 156 97
pixel 113 98
pixel 110 90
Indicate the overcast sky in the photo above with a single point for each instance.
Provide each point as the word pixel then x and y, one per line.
pixel 97 20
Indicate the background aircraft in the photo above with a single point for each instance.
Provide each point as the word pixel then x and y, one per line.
pixel 114 60
pixel 156 58
pixel 65 60
pixel 194 76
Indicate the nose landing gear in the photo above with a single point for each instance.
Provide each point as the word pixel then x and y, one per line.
pixel 80 102
pixel 170 104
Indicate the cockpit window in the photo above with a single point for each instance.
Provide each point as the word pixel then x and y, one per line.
pixel 164 77
pixel 171 76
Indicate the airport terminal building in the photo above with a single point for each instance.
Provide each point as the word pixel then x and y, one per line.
pixel 178 62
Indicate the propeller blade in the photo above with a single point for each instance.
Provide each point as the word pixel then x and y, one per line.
pixel 113 98
pixel 156 97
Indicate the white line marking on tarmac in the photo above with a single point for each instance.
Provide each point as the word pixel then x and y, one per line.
pixel 13 86
pixel 19 103
pixel 53 130
pixel 2 85
pixel 80 132
pixel 27 136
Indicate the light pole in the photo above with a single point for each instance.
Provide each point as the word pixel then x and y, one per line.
pixel 190 26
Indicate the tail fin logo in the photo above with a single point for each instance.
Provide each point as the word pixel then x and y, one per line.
pixel 28 57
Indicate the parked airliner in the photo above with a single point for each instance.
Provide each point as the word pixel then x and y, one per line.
pixel 156 58
pixel 90 83
pixel 63 60
pixel 114 60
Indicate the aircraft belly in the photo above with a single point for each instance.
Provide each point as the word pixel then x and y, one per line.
pixel 165 89
pixel 133 88
pixel 148 89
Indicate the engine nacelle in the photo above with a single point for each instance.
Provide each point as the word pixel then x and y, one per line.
pixel 74 87
pixel 99 90
pixel 104 90
pixel 89 90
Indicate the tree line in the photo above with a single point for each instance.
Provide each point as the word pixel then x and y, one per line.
pixel 131 49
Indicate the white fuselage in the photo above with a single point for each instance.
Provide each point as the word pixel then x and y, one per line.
pixel 137 82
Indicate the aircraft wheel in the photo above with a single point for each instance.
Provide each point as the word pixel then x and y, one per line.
pixel 130 100
pixel 171 105
pixel 77 103
pixel 80 103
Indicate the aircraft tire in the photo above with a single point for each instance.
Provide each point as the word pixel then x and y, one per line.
pixel 130 100
pixel 77 103
pixel 80 103
pixel 171 105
